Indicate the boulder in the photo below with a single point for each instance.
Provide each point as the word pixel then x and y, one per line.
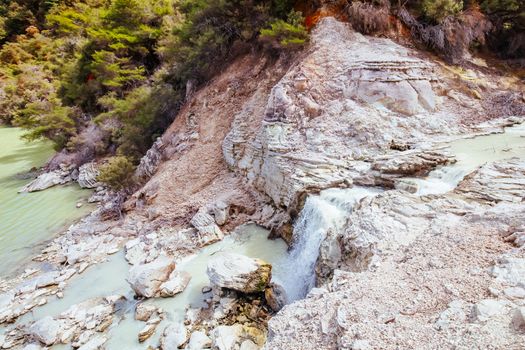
pixel 176 284
pixel 45 181
pixel 45 330
pixel 239 272
pixel 198 341
pixel 146 279
pixel 227 337
pixel 174 335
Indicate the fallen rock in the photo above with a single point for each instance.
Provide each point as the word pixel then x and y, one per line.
pixel 176 284
pixel 485 309
pixel 207 229
pixel 146 279
pixel 94 343
pixel 147 332
pixel 143 312
pixel 174 335
pixel 199 340
pixel 220 212
pixel 46 181
pixel 238 272
pixel 227 337
pixel 45 330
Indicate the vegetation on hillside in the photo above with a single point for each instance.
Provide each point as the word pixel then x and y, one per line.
pixel 106 77
pixel 117 70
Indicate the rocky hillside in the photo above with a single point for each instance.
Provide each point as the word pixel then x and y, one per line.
pixel 400 269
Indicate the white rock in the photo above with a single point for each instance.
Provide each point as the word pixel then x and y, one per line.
pixel 87 176
pixel 174 335
pixel 206 227
pixel 238 272
pixel 176 284
pixel 146 279
pixel 485 309
pixel 95 343
pixel 198 341
pixel 45 181
pixel 45 330
pixel 248 345
pixel 227 337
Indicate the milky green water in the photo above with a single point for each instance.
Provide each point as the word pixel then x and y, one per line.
pixel 29 219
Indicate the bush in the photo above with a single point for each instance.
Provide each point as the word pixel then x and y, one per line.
pixel 290 34
pixel 117 173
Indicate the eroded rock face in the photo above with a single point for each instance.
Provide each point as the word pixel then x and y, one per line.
pixel 350 99
pixel 146 279
pixel 238 272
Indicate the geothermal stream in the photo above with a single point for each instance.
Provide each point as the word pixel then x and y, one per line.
pixel 294 270
pixel 329 210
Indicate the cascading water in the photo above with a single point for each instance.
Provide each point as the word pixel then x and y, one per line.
pixel 471 154
pixel 327 211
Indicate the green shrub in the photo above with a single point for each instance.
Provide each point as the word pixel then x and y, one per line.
pixel 290 34
pixel 117 173
pixel 438 10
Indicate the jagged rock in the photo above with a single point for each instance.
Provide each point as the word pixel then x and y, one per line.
pixel 151 161
pixel 45 330
pixel 174 335
pixel 207 229
pixel 143 311
pixel 46 181
pixel 176 284
pixel 146 279
pixel 238 272
pixel 275 296
pixel 198 341
pixel 87 176
pixel 496 182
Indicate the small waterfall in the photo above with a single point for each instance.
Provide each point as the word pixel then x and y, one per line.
pixel 327 211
